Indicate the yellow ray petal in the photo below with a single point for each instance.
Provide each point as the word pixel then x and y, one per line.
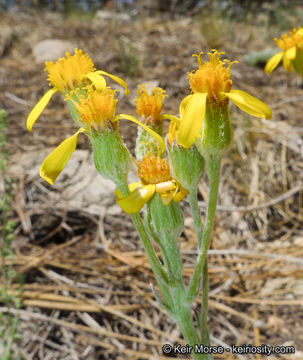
pixel 168 197
pixel 115 78
pixel 134 202
pixel 38 108
pixel 169 117
pixel 249 104
pixel 56 161
pixel 291 53
pixel 97 79
pixel 273 62
pixel 156 136
pixel 286 63
pixel 192 120
pixel 300 31
pixel 131 187
pixel 180 195
pixel 183 104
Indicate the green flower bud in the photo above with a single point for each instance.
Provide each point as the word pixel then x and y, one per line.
pixel 164 222
pixel 111 157
pixel 186 165
pixel 217 133
pixel 297 62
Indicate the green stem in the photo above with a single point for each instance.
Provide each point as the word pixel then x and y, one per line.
pixel 160 274
pixel 193 202
pixel 213 170
pixel 183 318
pixel 204 306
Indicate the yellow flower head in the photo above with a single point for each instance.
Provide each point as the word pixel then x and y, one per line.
pixel 98 108
pixel 155 178
pixel 292 52
pixel 149 106
pixel 153 170
pixel 211 86
pixel 212 77
pixel 295 38
pixel 68 72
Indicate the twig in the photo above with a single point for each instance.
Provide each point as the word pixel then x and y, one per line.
pixel 265 205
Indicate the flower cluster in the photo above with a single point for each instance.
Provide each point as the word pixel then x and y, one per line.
pixel 76 78
pixel 203 126
pixel 292 52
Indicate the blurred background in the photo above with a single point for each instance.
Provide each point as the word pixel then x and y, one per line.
pixel 75 279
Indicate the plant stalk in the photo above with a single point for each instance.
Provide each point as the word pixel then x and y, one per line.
pixel 213 171
pixel 160 274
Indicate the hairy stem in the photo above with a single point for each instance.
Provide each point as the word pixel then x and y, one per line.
pixel 213 171
pixel 160 274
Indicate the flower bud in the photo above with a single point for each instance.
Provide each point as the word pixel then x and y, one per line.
pixel 186 165
pixel 297 63
pixel 217 133
pixel 164 222
pixel 111 157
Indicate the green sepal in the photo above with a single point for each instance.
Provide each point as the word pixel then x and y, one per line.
pixel 297 63
pixel 186 165
pixel 217 133
pixel 165 221
pixel 112 158
pixel 145 143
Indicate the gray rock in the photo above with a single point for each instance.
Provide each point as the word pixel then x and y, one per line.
pixel 51 49
pixel 78 188
pixel 103 15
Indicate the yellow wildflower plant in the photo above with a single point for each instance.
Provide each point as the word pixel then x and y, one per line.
pixel 67 74
pixel 155 177
pixel 97 112
pixel 292 52
pixel 211 85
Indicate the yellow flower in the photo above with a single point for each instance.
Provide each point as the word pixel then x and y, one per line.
pixel 98 108
pixel 149 106
pixel 67 74
pixel 292 49
pixel 155 177
pixel 211 85
pixel 97 113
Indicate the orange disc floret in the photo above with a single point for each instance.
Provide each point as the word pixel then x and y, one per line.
pixel 295 38
pixel 98 108
pixel 153 170
pixel 68 72
pixel 212 77
pixel 149 106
